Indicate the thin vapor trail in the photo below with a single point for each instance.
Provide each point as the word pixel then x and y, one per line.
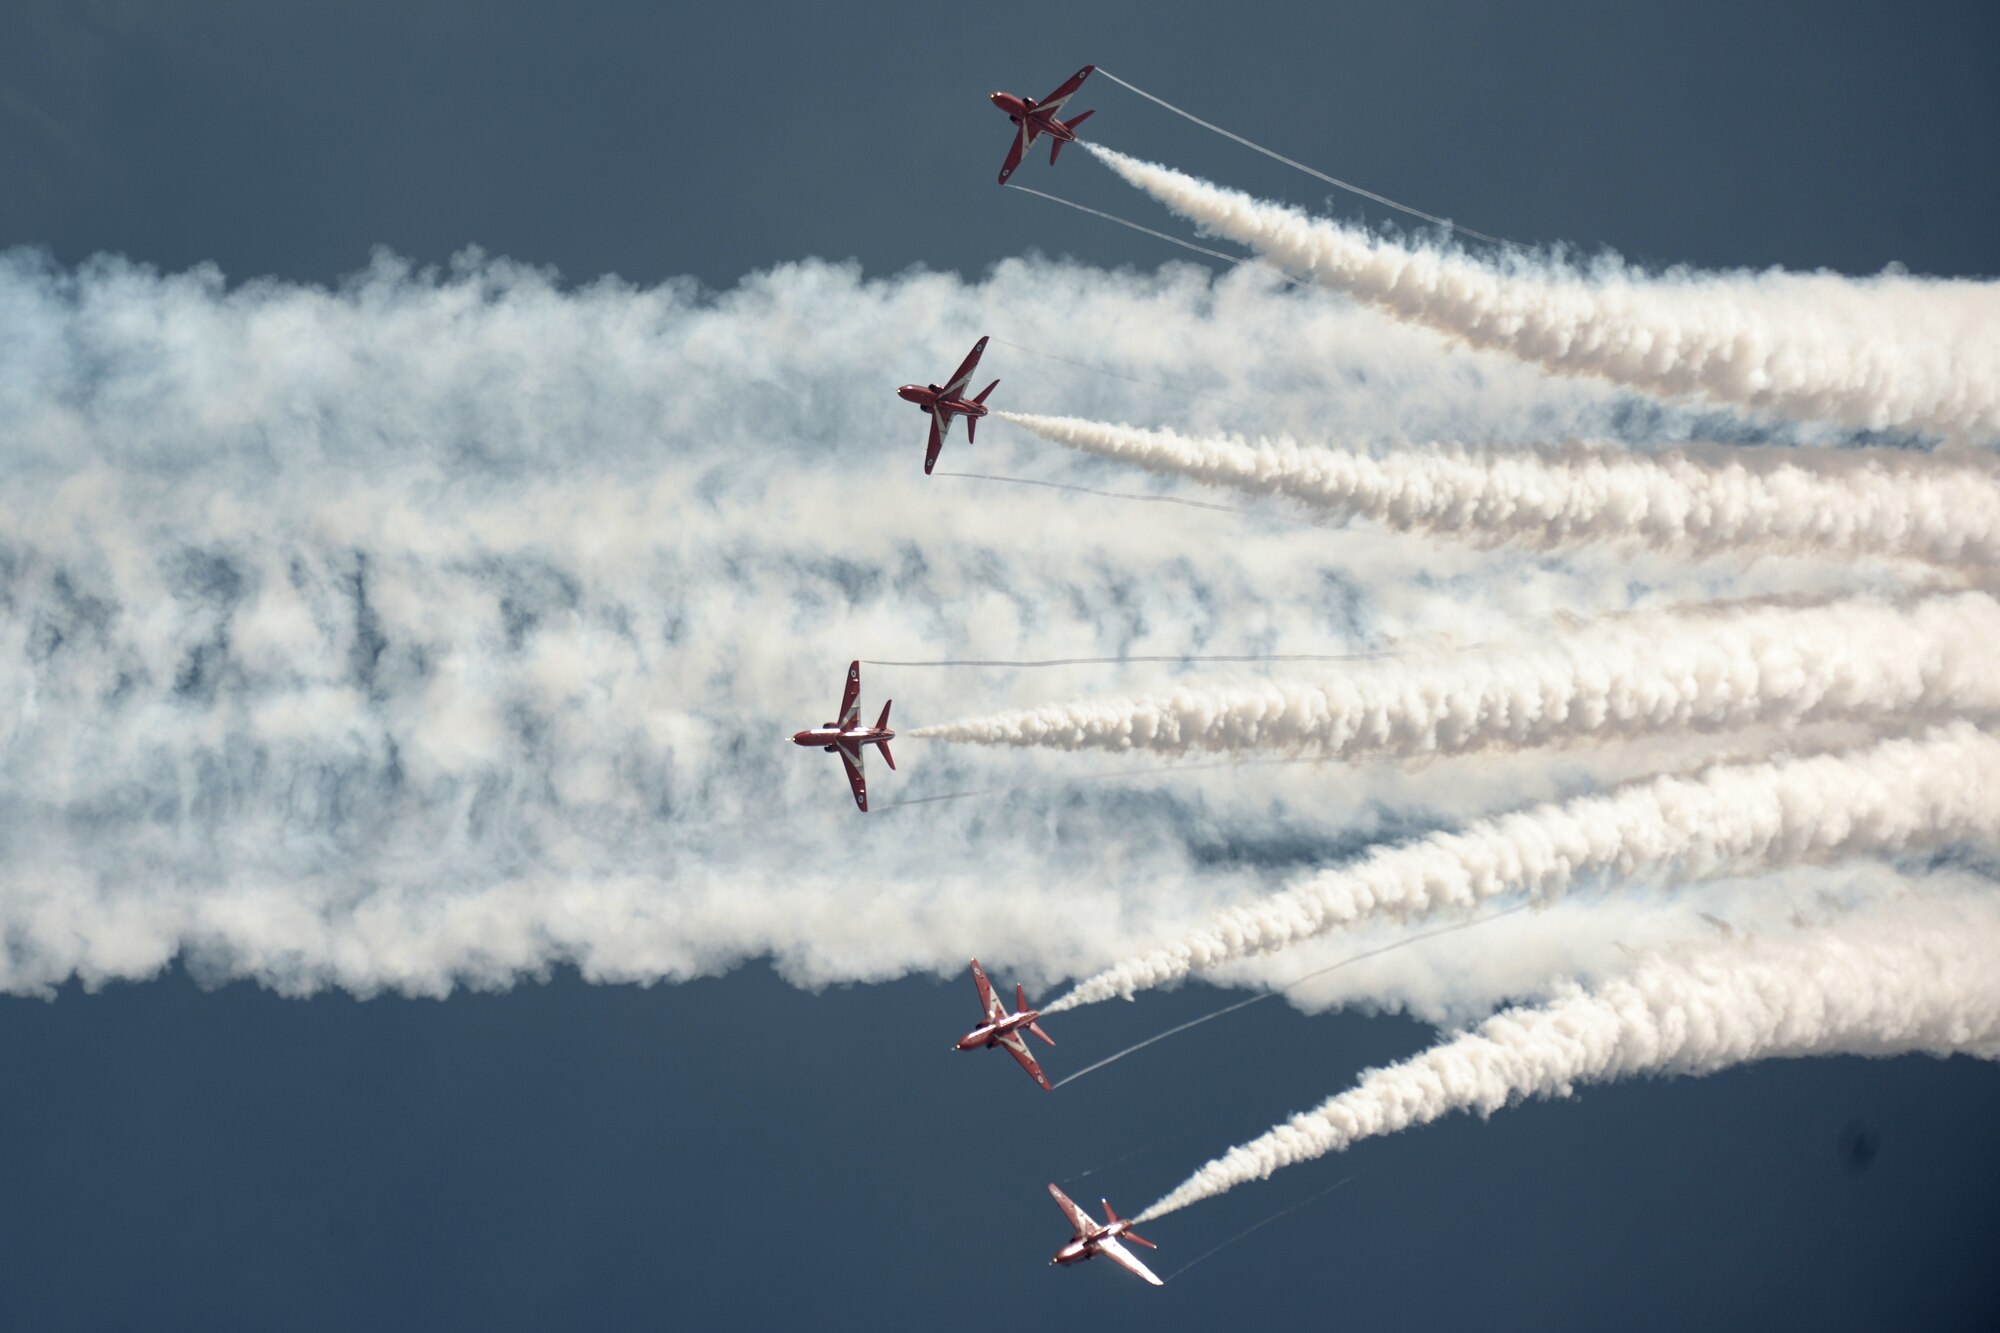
pixel 1157 235
pixel 1252 1230
pixel 1183 659
pixel 1878 503
pixel 1348 186
pixel 1895 796
pixel 1130 495
pixel 1063 359
pixel 1122 1158
pixel 1915 977
pixel 1689 669
pixel 1161 770
pixel 1890 352
pixel 1452 929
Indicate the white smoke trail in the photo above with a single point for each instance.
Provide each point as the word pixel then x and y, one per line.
pixel 1918 978
pixel 1314 172
pixel 1703 669
pixel 1891 352
pixel 1894 796
pixel 444 628
pixel 1873 503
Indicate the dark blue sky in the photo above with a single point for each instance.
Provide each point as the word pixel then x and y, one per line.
pixel 736 1153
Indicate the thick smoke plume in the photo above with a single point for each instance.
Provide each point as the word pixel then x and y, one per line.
pixel 1894 796
pixel 1885 353
pixel 1839 504
pixel 1700 669
pixel 442 628
pixel 1916 978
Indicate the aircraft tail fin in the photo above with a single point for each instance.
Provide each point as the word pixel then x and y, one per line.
pixel 1111 1218
pixel 1070 125
pixel 972 423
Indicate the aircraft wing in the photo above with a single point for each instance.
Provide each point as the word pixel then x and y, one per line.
pixel 1078 1219
pixel 1053 102
pixel 850 755
pixel 850 715
pixel 1019 1050
pixel 989 1002
pixel 1118 1254
pixel 956 388
pixel 1014 154
pixel 940 429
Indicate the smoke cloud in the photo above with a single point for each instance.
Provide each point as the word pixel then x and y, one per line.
pixel 444 627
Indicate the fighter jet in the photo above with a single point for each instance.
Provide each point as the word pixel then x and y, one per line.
pixel 1033 119
pixel 846 737
pixel 941 405
pixel 1091 1239
pixel 1004 1029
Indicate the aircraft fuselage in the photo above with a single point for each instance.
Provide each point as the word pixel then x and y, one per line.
pixel 1085 1247
pixel 930 398
pixel 1022 111
pixel 829 736
pixel 989 1034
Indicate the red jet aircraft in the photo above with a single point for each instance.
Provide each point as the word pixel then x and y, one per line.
pixel 941 405
pixel 1034 119
pixel 847 736
pixel 1091 1239
pixel 1004 1029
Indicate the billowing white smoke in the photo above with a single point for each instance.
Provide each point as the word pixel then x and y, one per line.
pixel 1919 977
pixel 1878 503
pixel 1701 670
pixel 445 628
pixel 1894 796
pixel 1885 353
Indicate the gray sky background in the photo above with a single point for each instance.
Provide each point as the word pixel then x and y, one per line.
pixel 735 1152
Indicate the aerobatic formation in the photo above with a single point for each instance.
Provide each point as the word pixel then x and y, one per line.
pixel 1914 980
pixel 410 703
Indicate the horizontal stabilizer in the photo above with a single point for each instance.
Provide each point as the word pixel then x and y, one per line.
pixel 887 758
pixel 1036 1028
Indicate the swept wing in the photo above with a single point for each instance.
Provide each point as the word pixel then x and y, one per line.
pixel 1019 1050
pixel 1111 1249
pixel 963 376
pixel 850 757
pixel 1054 101
pixel 1078 1219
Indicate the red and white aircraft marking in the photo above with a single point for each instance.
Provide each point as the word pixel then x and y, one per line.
pixel 941 405
pixel 1004 1029
pixel 1091 1239
pixel 1034 119
pixel 846 737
